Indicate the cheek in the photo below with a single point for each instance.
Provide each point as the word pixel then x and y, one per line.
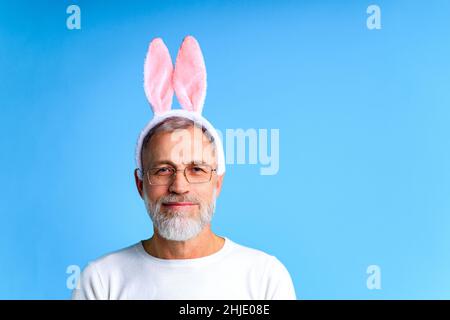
pixel 205 192
pixel 153 193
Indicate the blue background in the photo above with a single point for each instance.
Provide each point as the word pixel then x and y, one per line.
pixel 364 137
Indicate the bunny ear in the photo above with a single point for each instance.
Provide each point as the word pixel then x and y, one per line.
pixel 189 78
pixel 158 70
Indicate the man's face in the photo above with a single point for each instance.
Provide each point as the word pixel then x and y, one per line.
pixel 179 210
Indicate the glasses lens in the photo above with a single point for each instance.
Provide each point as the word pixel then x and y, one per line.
pixel 160 176
pixel 198 173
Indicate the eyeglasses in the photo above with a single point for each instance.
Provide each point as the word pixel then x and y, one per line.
pixel 164 175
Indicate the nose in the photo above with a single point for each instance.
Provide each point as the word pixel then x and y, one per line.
pixel 179 184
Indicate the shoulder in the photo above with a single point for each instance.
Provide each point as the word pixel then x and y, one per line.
pixel 257 257
pixel 273 275
pixel 95 279
pixel 116 259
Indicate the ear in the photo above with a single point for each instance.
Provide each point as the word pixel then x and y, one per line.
pixel 219 184
pixel 158 71
pixel 139 183
pixel 189 78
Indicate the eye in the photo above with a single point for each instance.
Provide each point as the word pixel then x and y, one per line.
pixel 163 171
pixel 198 170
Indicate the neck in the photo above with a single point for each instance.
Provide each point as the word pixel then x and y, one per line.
pixel 204 244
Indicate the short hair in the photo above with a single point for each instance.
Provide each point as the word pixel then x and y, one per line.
pixel 171 124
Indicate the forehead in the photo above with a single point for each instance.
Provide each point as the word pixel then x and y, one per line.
pixel 181 146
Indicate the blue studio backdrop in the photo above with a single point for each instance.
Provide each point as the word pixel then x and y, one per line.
pixel 355 94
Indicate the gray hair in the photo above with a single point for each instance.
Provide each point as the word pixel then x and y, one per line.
pixel 171 124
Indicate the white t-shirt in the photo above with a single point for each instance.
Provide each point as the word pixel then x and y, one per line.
pixel 233 272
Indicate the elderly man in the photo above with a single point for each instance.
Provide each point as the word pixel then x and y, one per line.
pixel 179 176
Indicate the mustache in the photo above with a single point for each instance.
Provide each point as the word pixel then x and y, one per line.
pixel 178 198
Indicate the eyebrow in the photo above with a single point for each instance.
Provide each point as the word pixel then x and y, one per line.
pixel 157 163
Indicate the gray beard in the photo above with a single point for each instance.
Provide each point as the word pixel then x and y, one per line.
pixel 176 226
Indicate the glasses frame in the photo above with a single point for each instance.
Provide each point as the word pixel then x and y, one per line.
pixel 174 174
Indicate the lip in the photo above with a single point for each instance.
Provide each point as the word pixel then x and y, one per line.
pixel 179 204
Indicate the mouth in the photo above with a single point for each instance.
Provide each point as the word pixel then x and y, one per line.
pixel 178 204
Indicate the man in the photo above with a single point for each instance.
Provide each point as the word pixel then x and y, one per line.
pixel 179 176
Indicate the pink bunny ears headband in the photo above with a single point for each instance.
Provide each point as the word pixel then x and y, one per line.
pixel 188 80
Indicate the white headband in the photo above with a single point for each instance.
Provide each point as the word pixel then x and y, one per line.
pixel 188 80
